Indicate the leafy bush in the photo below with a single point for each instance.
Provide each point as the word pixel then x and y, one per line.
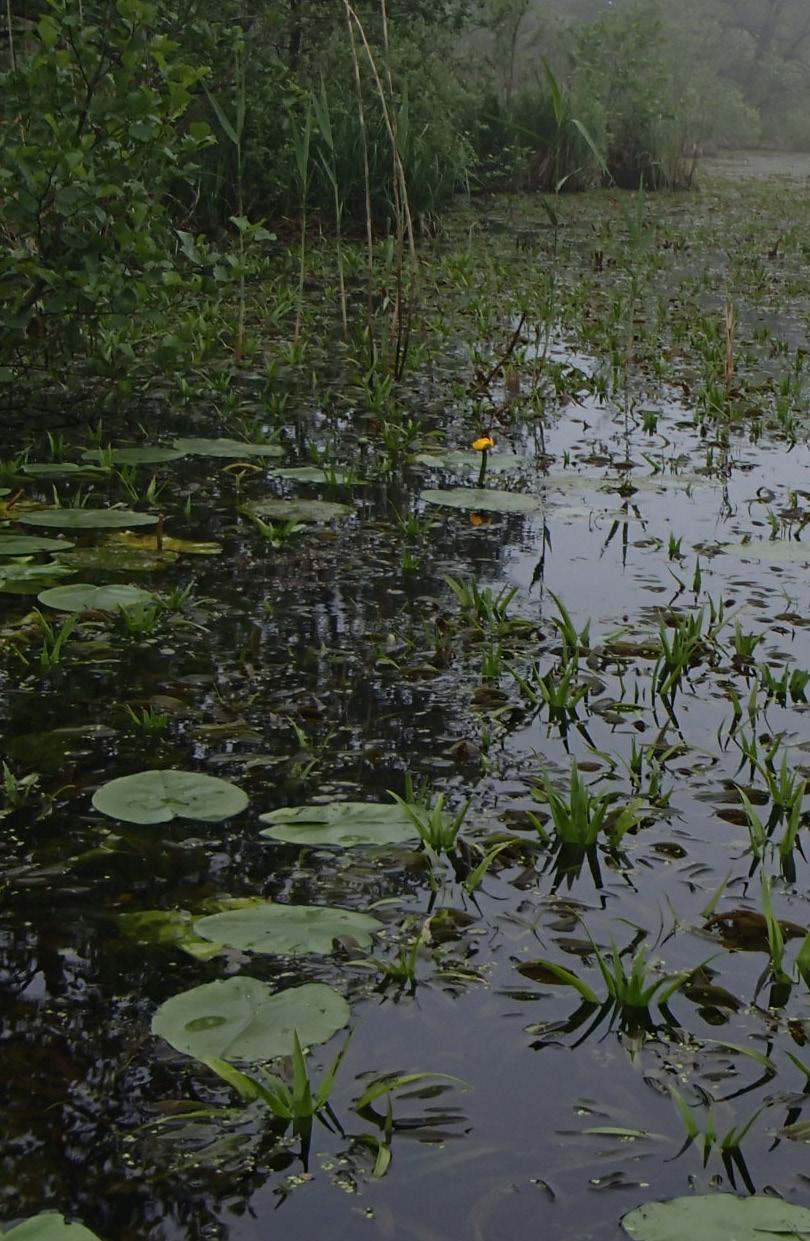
pixel 91 153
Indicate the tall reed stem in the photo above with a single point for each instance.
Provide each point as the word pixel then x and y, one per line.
pixel 361 117
pixel 11 53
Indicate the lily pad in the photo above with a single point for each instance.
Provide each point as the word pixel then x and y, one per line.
pixel 717 1217
pixel 290 929
pixel 132 456
pixel 484 500
pixel 342 824
pixel 5 491
pixel 312 474
pixel 28 579
pixel 27 544
pixel 58 469
pixel 300 510
pixel 106 559
pixel 83 597
pixel 160 796
pixel 146 542
pixel 243 1019
pixel 87 518
pixel 49 1227
pixel 778 551
pixel 497 462
pixel 226 448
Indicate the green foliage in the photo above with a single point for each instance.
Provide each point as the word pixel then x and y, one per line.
pixel 91 149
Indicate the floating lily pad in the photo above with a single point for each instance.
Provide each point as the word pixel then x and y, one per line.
pixel 48 751
pixel 160 796
pixel 342 824
pixel 5 491
pixel 312 474
pixel 87 518
pixel 58 469
pixel 49 1227
pixel 778 551
pixel 83 597
pixel 718 1217
pixel 300 510
pixel 242 1019
pixel 290 929
pixel 27 544
pixel 484 500
pixel 147 542
pixel 497 462
pixel 132 456
pixel 106 559
pixel 29 579
pixel 226 448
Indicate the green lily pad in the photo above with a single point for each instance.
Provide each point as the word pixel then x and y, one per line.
pixel 778 551
pixel 147 542
pixel 342 824
pixel 300 510
pixel 483 500
pixel 119 559
pixel 27 544
pixel 58 469
pixel 312 474
pixel 83 597
pixel 497 462
pixel 160 796
pixel 49 1227
pixel 717 1217
pixel 132 456
pixel 242 1019
pixel 29 579
pixel 226 448
pixel 290 929
pixel 87 518
pixel 5 491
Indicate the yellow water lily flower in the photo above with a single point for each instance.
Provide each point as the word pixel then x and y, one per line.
pixel 484 443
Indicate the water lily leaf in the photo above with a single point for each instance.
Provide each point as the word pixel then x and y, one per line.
pixel 132 456
pixel 342 824
pixel 26 544
pixel 226 448
pixel 313 474
pixel 106 559
pixel 5 491
pixel 778 551
pixel 59 469
pixel 160 796
pixel 291 929
pixel 49 1227
pixel 483 500
pixel 146 542
pixel 83 597
pixel 87 518
pixel 497 462
pixel 717 1217
pixel 300 510
pixel 242 1019
pixel 28 579
pixel 172 928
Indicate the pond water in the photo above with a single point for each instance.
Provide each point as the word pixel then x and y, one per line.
pixel 642 628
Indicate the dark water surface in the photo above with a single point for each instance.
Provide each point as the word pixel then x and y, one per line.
pixel 320 670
